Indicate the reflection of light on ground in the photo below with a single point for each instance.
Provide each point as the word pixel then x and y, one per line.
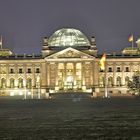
pixel 89 90
pixel 51 91
pixel 20 93
pixel 29 93
pixel 11 93
pixel 76 99
pixel 17 91
pixel 69 79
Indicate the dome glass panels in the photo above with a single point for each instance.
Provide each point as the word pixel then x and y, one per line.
pixel 68 38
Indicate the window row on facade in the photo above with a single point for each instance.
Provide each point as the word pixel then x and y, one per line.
pixel 118 69
pixel 19 83
pixel 19 70
pixel 110 81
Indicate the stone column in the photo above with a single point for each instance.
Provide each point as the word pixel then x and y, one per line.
pixel 83 74
pixel 48 73
pixel 74 75
pixel 24 71
pixel 114 74
pixel 16 75
pixel 96 74
pixel 7 76
pixel 131 70
pixel 56 76
pixel 123 76
pixel 92 73
pixel 43 75
pixel 65 73
pixel 83 77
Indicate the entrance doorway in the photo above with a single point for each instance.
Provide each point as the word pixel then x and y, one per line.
pixel 69 76
pixel 69 82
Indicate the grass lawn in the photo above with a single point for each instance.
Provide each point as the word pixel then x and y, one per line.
pixel 72 117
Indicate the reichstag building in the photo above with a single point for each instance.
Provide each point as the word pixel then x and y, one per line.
pixel 69 61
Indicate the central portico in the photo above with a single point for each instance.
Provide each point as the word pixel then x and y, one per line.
pixel 70 69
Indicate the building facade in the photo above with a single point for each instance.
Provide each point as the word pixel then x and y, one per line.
pixel 68 62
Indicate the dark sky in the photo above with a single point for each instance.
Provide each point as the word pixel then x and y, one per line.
pixel 23 23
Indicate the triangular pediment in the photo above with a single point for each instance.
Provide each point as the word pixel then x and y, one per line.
pixel 69 53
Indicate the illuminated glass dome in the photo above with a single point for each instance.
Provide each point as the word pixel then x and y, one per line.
pixel 68 37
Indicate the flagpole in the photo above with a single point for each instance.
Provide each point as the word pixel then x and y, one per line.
pixel 1 42
pixel 103 66
pixel 132 42
pixel 106 94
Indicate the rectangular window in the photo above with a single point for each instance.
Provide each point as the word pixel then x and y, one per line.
pixel 11 70
pixel 37 70
pixel 118 69
pixel 110 69
pixel 20 70
pixel 29 70
pixel 126 69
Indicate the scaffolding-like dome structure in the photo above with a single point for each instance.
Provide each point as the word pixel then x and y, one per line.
pixel 68 37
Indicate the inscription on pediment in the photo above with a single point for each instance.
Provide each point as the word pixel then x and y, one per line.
pixel 69 54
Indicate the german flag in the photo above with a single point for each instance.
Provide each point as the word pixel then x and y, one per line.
pixel 0 40
pixel 102 62
pixel 130 38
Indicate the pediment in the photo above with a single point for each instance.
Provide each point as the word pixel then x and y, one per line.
pixel 69 53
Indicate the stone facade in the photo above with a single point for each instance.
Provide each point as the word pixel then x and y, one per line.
pixel 65 69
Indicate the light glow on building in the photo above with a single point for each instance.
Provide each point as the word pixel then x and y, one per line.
pixel 68 62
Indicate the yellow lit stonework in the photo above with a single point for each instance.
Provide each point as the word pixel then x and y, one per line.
pixel 69 62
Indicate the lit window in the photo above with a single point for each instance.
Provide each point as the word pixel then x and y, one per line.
pixel 12 83
pixel 118 81
pixel 60 66
pixel 3 83
pixel 78 66
pixel 29 83
pixel 20 83
pixel 110 81
pixel 126 80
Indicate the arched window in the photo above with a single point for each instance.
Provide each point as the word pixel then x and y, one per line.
pixel 110 81
pixel 29 83
pixel 12 83
pixel 20 83
pixel 3 83
pixel 37 82
pixel 126 80
pixel 118 81
pixel 101 81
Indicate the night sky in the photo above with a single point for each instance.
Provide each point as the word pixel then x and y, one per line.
pixel 23 23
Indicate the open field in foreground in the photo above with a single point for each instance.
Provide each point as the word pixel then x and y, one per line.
pixel 70 117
